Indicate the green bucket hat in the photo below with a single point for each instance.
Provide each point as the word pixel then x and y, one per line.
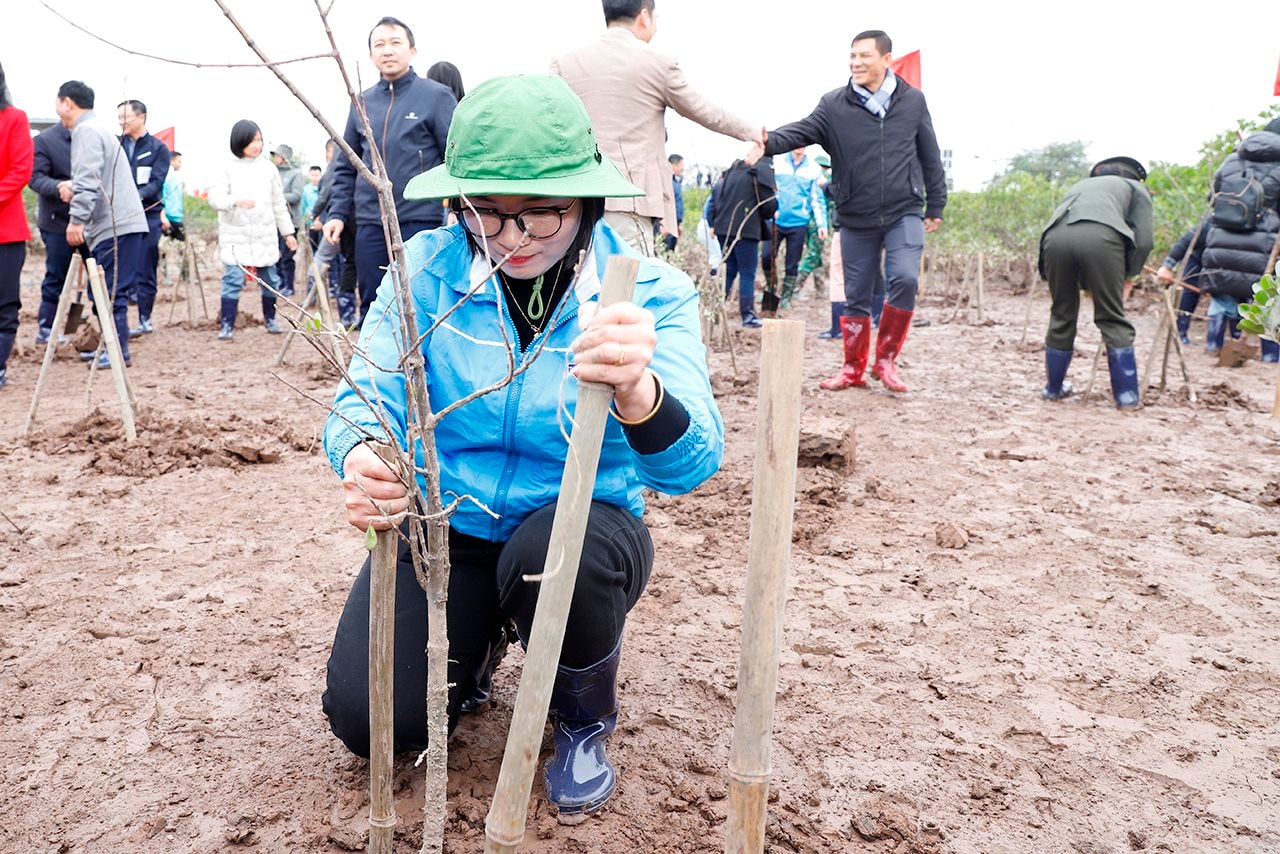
pixel 527 135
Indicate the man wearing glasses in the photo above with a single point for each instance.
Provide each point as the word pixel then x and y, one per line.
pixel 149 162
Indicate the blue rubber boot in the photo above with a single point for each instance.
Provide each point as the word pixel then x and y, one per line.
pixel 1270 351
pixel 1214 333
pixel 1056 363
pixel 584 712
pixel 1123 366
pixel 483 693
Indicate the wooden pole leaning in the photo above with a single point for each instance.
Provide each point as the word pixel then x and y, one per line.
pixel 504 826
pixel 382 632
pixel 59 321
pixel 769 553
pixel 979 288
pixel 102 305
pixel 1171 320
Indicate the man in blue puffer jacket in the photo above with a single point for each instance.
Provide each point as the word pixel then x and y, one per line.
pixel 410 117
pixel 800 198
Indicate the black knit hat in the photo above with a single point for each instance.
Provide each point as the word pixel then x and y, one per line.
pixel 1127 168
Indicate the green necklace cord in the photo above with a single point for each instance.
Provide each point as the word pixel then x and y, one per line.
pixel 535 299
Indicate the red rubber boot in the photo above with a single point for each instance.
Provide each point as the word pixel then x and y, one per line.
pixel 894 324
pixel 856 333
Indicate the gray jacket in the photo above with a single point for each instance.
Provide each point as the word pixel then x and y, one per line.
pixel 105 199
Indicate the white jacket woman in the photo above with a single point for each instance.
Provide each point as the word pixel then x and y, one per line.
pixel 251 213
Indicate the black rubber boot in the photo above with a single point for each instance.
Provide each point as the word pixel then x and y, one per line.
pixel 584 712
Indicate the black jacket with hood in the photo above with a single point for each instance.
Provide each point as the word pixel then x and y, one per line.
pixel 881 169
pixel 745 193
pixel 1234 260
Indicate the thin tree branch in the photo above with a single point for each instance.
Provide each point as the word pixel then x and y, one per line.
pixel 186 62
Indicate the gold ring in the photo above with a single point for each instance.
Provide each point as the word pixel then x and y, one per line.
pixel 622 356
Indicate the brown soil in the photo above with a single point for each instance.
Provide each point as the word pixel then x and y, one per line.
pixel 1012 626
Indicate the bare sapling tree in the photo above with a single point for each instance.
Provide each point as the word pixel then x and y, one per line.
pixel 424 527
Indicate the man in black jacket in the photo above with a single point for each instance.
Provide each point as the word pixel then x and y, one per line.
pixel 410 117
pixel 889 188
pixel 51 180
pixel 149 162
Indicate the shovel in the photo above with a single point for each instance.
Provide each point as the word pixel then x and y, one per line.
pixel 75 314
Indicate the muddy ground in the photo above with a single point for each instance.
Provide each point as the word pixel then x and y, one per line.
pixel 1094 669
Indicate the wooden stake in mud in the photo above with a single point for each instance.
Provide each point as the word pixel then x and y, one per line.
pixel 504 826
pixel 1171 320
pixel 1026 317
pixel 772 513
pixel 59 320
pixel 193 281
pixel 1093 372
pixel 382 633
pixel 107 324
pixel 982 317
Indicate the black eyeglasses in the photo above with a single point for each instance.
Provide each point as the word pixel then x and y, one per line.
pixel 538 223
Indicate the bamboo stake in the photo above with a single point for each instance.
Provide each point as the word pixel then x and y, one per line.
pixel 504 826
pixel 1093 373
pixel 962 293
pixel 59 320
pixel 769 552
pixel 177 280
pixel 1161 334
pixel 1026 317
pixel 982 318
pixel 102 305
pixel 193 281
pixel 382 632
pixel 1171 321
pixel 288 338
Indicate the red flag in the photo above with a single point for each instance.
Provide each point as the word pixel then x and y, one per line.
pixel 1278 81
pixel 167 137
pixel 908 68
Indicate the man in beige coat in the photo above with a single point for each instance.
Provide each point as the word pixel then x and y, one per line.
pixel 627 87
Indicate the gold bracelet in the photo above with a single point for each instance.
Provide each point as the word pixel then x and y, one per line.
pixel 662 393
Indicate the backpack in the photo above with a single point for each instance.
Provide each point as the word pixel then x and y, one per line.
pixel 1237 206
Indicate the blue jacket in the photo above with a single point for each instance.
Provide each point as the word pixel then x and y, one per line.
pixel 153 155
pixel 507 449
pixel 51 166
pixel 799 194
pixel 412 115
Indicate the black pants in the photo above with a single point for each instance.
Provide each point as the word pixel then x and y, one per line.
pixel 11 257
pixel 1086 256
pixel 285 266
pixel 793 239
pixel 485 590
pixel 372 259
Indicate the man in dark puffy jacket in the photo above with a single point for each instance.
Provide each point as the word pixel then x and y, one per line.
pixel 410 117
pixel 1235 258
pixel 1098 237
pixel 889 188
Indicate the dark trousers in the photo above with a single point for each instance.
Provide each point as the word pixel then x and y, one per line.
pixel 372 260
pixel 1086 256
pixel 485 590
pixel 902 243
pixel 121 259
pixel 12 256
pixel 741 263
pixel 793 239
pixel 144 287
pixel 57 260
pixel 285 267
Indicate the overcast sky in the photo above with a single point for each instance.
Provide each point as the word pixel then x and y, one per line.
pixel 1138 78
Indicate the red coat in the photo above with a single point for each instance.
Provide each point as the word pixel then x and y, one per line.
pixel 16 153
